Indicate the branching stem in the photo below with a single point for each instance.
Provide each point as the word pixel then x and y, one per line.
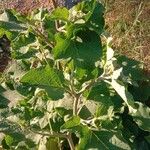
pixel 59 135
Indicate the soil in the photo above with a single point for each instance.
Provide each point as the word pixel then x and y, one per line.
pixel 4 53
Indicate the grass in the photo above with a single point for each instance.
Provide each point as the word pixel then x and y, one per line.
pixel 129 24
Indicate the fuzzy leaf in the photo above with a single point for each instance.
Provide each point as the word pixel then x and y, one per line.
pixel 47 78
pixel 98 140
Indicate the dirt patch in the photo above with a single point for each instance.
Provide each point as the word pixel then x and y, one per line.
pixel 4 53
pixel 129 24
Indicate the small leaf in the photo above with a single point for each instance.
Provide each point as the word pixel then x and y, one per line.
pixel 2 89
pixel 62 111
pixel 43 122
pixel 3 102
pixel 52 144
pixel 9 140
pixel 60 14
pixel 72 122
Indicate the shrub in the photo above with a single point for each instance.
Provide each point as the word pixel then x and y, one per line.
pixel 74 93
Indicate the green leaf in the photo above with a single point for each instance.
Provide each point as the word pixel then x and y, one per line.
pixel 80 13
pixel 60 14
pixel 11 26
pixel 131 68
pixel 100 140
pixel 48 78
pixel 96 21
pixel 107 140
pixel 2 89
pixel 52 144
pixel 72 122
pixel 49 26
pixel 54 93
pixel 142 116
pixel 84 135
pixel 28 53
pixel 62 111
pixel 124 94
pixel 9 140
pixel 85 50
pixel 62 43
pixel 3 102
pixel 23 40
pixel 99 93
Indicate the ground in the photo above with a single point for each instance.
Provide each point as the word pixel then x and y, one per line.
pixel 127 21
pixel 129 24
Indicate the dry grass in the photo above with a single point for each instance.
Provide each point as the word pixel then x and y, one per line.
pixel 128 22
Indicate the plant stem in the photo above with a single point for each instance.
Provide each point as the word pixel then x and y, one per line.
pixel 75 104
pixel 54 134
pixel 91 83
pixel 70 141
pixel 57 25
pixel 59 135
pixel 45 39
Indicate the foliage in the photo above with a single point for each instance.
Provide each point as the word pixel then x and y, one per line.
pixel 73 92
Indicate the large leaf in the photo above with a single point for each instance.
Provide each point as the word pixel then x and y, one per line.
pixel 142 116
pixel 100 140
pixel 105 140
pixel 96 20
pixel 131 68
pixel 48 78
pixel 85 50
pixel 124 94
